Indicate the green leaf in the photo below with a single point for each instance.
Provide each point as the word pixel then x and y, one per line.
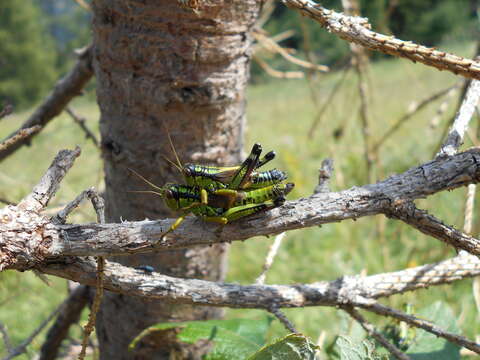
pixel 232 339
pixel 427 346
pixel 349 349
pixel 291 347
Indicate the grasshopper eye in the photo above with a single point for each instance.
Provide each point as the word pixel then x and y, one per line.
pixel 188 170
pixel 168 194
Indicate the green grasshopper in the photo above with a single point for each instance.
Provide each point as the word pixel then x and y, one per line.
pixel 244 176
pixel 222 206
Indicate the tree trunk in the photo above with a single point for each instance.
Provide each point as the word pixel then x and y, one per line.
pixel 160 66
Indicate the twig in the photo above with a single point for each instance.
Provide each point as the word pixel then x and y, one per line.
pixel 49 183
pixel 441 110
pixel 266 13
pixel 6 338
pixel 414 108
pixel 20 349
pixel 75 303
pixel 275 73
pixel 283 319
pixel 377 308
pixel 370 329
pixel 65 90
pixel 324 174
pixel 7 110
pixel 81 122
pixel 316 122
pixel 128 281
pixel 272 46
pixel 19 136
pixel 467 225
pixel 99 206
pixel 95 198
pixel 89 327
pixel 272 252
pixel 430 225
pixel 460 124
pixel 357 30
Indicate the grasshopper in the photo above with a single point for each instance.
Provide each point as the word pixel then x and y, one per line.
pixel 222 206
pixel 243 176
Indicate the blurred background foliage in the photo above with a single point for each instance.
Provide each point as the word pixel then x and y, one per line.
pixel 37 37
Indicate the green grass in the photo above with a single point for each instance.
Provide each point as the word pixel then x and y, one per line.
pixel 279 116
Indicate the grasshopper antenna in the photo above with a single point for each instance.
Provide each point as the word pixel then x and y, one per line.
pixel 146 192
pixel 145 180
pixel 172 163
pixel 179 164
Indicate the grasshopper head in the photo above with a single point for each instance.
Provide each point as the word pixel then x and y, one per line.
pixel 170 194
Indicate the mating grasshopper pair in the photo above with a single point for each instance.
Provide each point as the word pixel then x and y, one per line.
pixel 225 194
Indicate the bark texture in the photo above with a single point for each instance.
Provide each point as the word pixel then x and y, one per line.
pixel 160 66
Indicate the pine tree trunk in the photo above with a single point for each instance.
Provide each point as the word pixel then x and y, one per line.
pixel 160 66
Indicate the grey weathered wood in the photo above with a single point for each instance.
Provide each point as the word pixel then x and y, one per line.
pixel 23 246
pixel 133 282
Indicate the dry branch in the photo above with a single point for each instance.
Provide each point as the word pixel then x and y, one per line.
pixel 462 119
pixel 276 73
pixel 370 329
pixel 22 246
pixel 65 90
pixel 415 108
pixel 7 110
pixel 134 282
pixel 377 308
pixel 357 30
pixel 81 122
pixel 19 136
pixel 272 46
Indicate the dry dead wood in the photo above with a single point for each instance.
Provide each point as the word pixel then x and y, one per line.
pixel 357 30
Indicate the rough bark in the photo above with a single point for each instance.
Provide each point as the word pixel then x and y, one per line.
pixel 161 66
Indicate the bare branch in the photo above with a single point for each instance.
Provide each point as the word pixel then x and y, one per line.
pixel 272 252
pixel 357 30
pixel 49 183
pixel 324 175
pixel 7 110
pixel 327 103
pixel 81 122
pixel 97 203
pixel 22 247
pixel 460 124
pixel 275 73
pixel 377 308
pixel 283 319
pixel 89 327
pixel 430 225
pixel 128 281
pixel 69 315
pixel 414 108
pixel 272 46
pixel 19 135
pixel 370 329
pixel 65 90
